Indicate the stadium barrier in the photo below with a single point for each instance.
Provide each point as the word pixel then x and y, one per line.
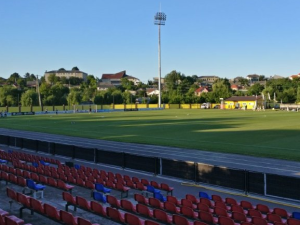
pixel 242 180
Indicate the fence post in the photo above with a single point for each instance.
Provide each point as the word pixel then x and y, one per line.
pixel 246 181
pixel 265 184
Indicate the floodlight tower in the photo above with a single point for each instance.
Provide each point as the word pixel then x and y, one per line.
pixel 159 19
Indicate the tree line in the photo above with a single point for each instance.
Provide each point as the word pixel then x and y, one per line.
pixel 177 88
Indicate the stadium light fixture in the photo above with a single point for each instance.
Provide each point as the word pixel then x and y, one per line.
pixel 159 19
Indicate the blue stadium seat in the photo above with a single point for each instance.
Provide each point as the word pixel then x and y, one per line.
pixel 160 197
pixel 101 188
pixel 99 197
pixel 204 195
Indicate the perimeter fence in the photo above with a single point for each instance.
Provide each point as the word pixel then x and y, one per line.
pixel 242 180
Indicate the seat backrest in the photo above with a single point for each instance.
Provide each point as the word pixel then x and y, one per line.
pixel 206 217
pixel 281 212
pixel 68 197
pixel 192 198
pixel 220 212
pixel 11 193
pixel 273 218
pixel 179 220
pixel 11 221
pixel 258 221
pixel 99 187
pixel 246 205
pixel 127 205
pixel 67 217
pixel 23 199
pixel 150 188
pixel 132 219
pixel 199 223
pixel 187 203
pixel 165 187
pixel 170 207
pixel 145 182
pixel 154 203
pixel 240 217
pixel 36 205
pixel 296 215
pixel 217 198
pixel 143 210
pixel 30 183
pixel 207 202
pixel 98 208
pixel 82 202
pixel 187 211
pixel 113 201
pixel 114 214
pixel 99 197
pixel 81 221
pixel 219 204
pixel 172 199
pixel 237 208
pixel 154 184
pixel 293 221
pixel 254 212
pixel 204 195
pixel 140 199
pixel 51 211
pixel 150 222
pixel 160 197
pixel 161 215
pixel 263 208
pixel 225 220
pixel 231 201
pixel 203 207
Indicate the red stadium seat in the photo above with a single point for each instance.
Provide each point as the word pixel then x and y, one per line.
pixel 167 188
pixel 98 208
pixel 155 203
pixel 37 205
pixel 127 206
pixel 141 199
pixel 192 198
pixel 83 203
pixel 180 220
pixel 188 212
pixel 113 201
pixel 51 211
pixel 144 210
pixel 115 215
pixel 133 220
pixel 68 218
pixel 207 217
pixel 162 216
pixel 171 207
pixel 82 221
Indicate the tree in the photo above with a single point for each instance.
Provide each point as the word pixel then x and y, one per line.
pixel 126 84
pixel 13 78
pixel 298 94
pixel 255 89
pixel 172 80
pixel 221 89
pixel 75 68
pixel 91 81
pixel 74 97
pixel 52 78
pixel 30 97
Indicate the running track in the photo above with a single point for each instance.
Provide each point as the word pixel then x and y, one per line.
pixel 265 165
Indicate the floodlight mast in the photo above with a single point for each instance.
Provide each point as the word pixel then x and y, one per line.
pixel 159 19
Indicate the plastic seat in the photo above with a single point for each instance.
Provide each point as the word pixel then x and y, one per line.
pixel 293 221
pixel 160 197
pixel 237 208
pixel 225 221
pixel 13 220
pixel 115 215
pixel 217 198
pixel 145 182
pixel 222 205
pixel 52 182
pixel 207 217
pixel 135 180
pixel 188 212
pixel 133 220
pixel 43 179
pixel 204 195
pixel 139 186
pixel 155 203
pixel 167 188
pixel 132 185
pixel 152 190
pixel 68 218
pixel 204 207
pixel 101 188
pixel 199 223
pixel 246 205
pixel 274 218
pixel 44 163
pixel 209 203
pixel 11 193
pixel 192 198
pixel 37 205
pixel 180 220
pixel 150 222
pixel 221 212
pixel 12 178
pixel 231 201
pixel 89 184
pixel 124 190
pixel 81 221
pixel 239 217
pixel 23 199
pixel 51 211
pixel 141 199
pixel 256 213
pixel 144 210
pixel 113 201
pixel 296 215
pixel 171 207
pixel 173 200
pixel 263 208
pixel 188 203
pixel 281 212
pixel 127 206
pixel 64 186
pixel 98 196
pixel 83 203
pixel 259 221
pixel 162 216
pixel 98 208
pixel 69 198
pixel 32 185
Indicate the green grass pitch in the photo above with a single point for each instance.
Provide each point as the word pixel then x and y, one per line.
pixel 266 134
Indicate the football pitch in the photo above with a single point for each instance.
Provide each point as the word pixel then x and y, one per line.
pixel 270 133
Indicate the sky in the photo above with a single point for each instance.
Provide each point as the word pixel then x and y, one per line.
pixel 226 38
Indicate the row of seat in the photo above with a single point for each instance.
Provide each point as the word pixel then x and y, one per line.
pixel 186 208
pixel 45 209
pixel 6 219
pixel 246 207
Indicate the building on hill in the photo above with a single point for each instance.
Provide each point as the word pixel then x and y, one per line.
pixel 294 76
pixel 244 102
pixel 208 79
pixel 276 77
pixel 66 73
pixel 201 90
pixel 115 78
pixel 102 86
pixel 252 78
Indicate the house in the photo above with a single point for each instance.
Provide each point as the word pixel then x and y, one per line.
pixel 208 79
pixel 237 79
pixel 115 78
pixel 66 73
pixel 252 78
pixel 155 80
pixel 241 102
pixel 235 87
pixel 31 84
pixel 102 86
pixel 201 90
pixel 294 76
pixel 152 91
pixel 276 77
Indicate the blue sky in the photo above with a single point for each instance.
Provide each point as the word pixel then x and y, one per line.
pixel 227 38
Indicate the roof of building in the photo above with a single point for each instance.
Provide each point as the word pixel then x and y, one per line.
pixel 234 86
pixel 212 76
pixel 118 75
pixel 201 89
pixel 252 75
pixel 243 98
pixel 64 71
pixel 105 85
